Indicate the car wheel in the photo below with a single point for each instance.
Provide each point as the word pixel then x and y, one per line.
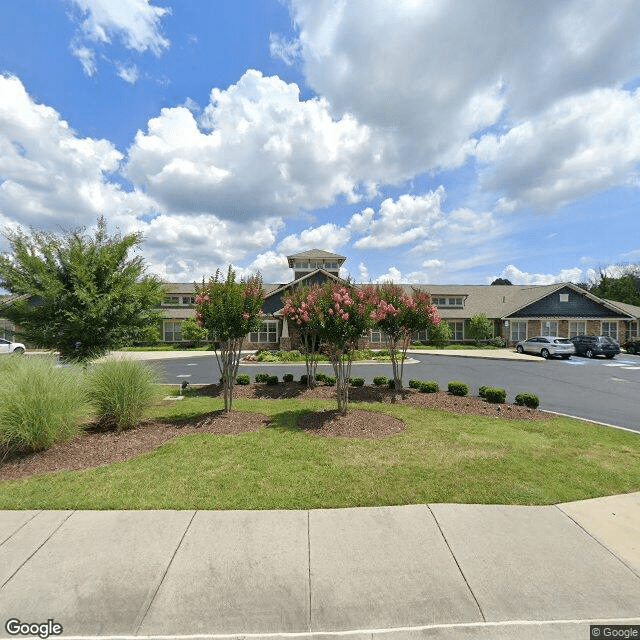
pixel 588 353
pixel 631 349
pixel 608 357
pixel 18 350
pixel 545 353
pixel 519 349
pixel 565 357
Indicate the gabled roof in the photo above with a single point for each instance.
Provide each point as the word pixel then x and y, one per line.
pixel 189 288
pixel 306 276
pixel 631 309
pixel 317 254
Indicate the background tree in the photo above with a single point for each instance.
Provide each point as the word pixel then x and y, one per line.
pixel 299 308
pixel 84 295
pixel 440 334
pixel 624 287
pixel 229 310
pixel 502 281
pixel 480 327
pixel 192 331
pixel 399 316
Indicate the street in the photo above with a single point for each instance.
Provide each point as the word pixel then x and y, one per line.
pixel 602 390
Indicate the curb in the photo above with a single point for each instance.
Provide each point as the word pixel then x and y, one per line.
pixel 602 424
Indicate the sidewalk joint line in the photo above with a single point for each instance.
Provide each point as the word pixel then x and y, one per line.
pixel 309 560
pixel 4 584
pixel 604 546
pixel 457 564
pixel 164 574
pixel 24 524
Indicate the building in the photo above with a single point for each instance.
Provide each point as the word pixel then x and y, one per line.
pixel 516 311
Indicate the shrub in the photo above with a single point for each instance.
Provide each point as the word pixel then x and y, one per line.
pixel 430 386
pixel 120 391
pixel 330 381
pixel 265 356
pixel 528 400
pixel 495 394
pixel 357 382
pixel 391 384
pixel 304 379
pixel 497 342
pixel 41 403
pixel 380 381
pixel 243 378
pixel 414 384
pixel 458 388
pixel 482 390
pixel 262 377
pixel 321 377
pixel 272 380
pixel 287 377
pixel 289 356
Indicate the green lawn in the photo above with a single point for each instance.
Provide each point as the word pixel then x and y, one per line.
pixel 441 457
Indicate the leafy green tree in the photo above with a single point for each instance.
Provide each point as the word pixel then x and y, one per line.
pixel 192 331
pixel 624 288
pixel 229 310
pixel 502 281
pixel 440 334
pixel 480 327
pixel 82 295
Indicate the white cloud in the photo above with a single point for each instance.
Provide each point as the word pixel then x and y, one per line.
pixel 48 175
pixel 402 221
pixel 128 72
pixel 582 144
pixel 287 50
pixel 258 151
pixel 136 22
pixel 328 237
pixel 87 58
pixel 516 276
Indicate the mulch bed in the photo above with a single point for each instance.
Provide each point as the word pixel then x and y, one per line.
pixel 95 448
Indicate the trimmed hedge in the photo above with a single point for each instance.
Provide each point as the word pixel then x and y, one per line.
pixel 429 386
pixel 272 380
pixel 243 378
pixel 357 382
pixel 414 384
pixel 380 381
pixel 330 381
pixel 528 400
pixel 391 383
pixel 287 377
pixel 482 389
pixel 495 394
pixel 458 388
pixel 262 377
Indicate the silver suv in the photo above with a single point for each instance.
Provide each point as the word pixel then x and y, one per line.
pixel 547 346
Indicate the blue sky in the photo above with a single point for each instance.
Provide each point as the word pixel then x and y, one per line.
pixel 428 141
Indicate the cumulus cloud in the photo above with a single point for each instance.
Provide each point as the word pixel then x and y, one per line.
pixel 401 221
pixel 257 151
pixel 516 276
pixel 48 175
pixel 328 237
pixel 582 144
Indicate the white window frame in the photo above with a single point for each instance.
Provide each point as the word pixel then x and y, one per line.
pixel 378 336
pixel 577 328
pixel 173 331
pixel 633 330
pixel 551 330
pixel 420 336
pixel 457 329
pixel 518 335
pixel 607 331
pixel 268 329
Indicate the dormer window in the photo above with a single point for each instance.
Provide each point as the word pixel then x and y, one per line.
pixel 448 302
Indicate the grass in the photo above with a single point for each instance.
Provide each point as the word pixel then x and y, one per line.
pixel 441 457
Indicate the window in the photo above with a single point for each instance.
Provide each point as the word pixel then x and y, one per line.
pixel 5 329
pixel 188 299
pixel 457 330
pixel 610 329
pixel 268 332
pixel 171 300
pixel 577 329
pixel 633 330
pixel 455 302
pixel 448 302
pixel 549 328
pixel 420 336
pixel 172 331
pixel 564 297
pixel 518 330
pixel 378 336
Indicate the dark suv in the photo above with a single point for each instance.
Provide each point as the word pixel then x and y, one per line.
pixel 633 346
pixel 591 346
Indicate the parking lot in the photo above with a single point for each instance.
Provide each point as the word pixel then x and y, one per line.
pixel 602 390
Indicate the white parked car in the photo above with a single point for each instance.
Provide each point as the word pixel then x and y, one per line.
pixel 6 346
pixel 547 346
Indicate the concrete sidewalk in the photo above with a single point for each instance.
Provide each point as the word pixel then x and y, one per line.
pixel 441 571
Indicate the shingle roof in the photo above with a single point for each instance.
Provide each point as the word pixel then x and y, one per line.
pixel 315 253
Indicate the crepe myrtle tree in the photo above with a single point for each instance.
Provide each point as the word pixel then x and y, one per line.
pixel 342 314
pixel 299 308
pixel 229 310
pixel 399 315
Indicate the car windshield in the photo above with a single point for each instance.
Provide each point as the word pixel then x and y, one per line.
pixel 562 341
pixel 607 340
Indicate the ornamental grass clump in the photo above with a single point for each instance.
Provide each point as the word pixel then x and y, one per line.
pixel 120 390
pixel 41 403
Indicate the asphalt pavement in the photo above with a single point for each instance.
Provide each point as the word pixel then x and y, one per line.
pixel 438 571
